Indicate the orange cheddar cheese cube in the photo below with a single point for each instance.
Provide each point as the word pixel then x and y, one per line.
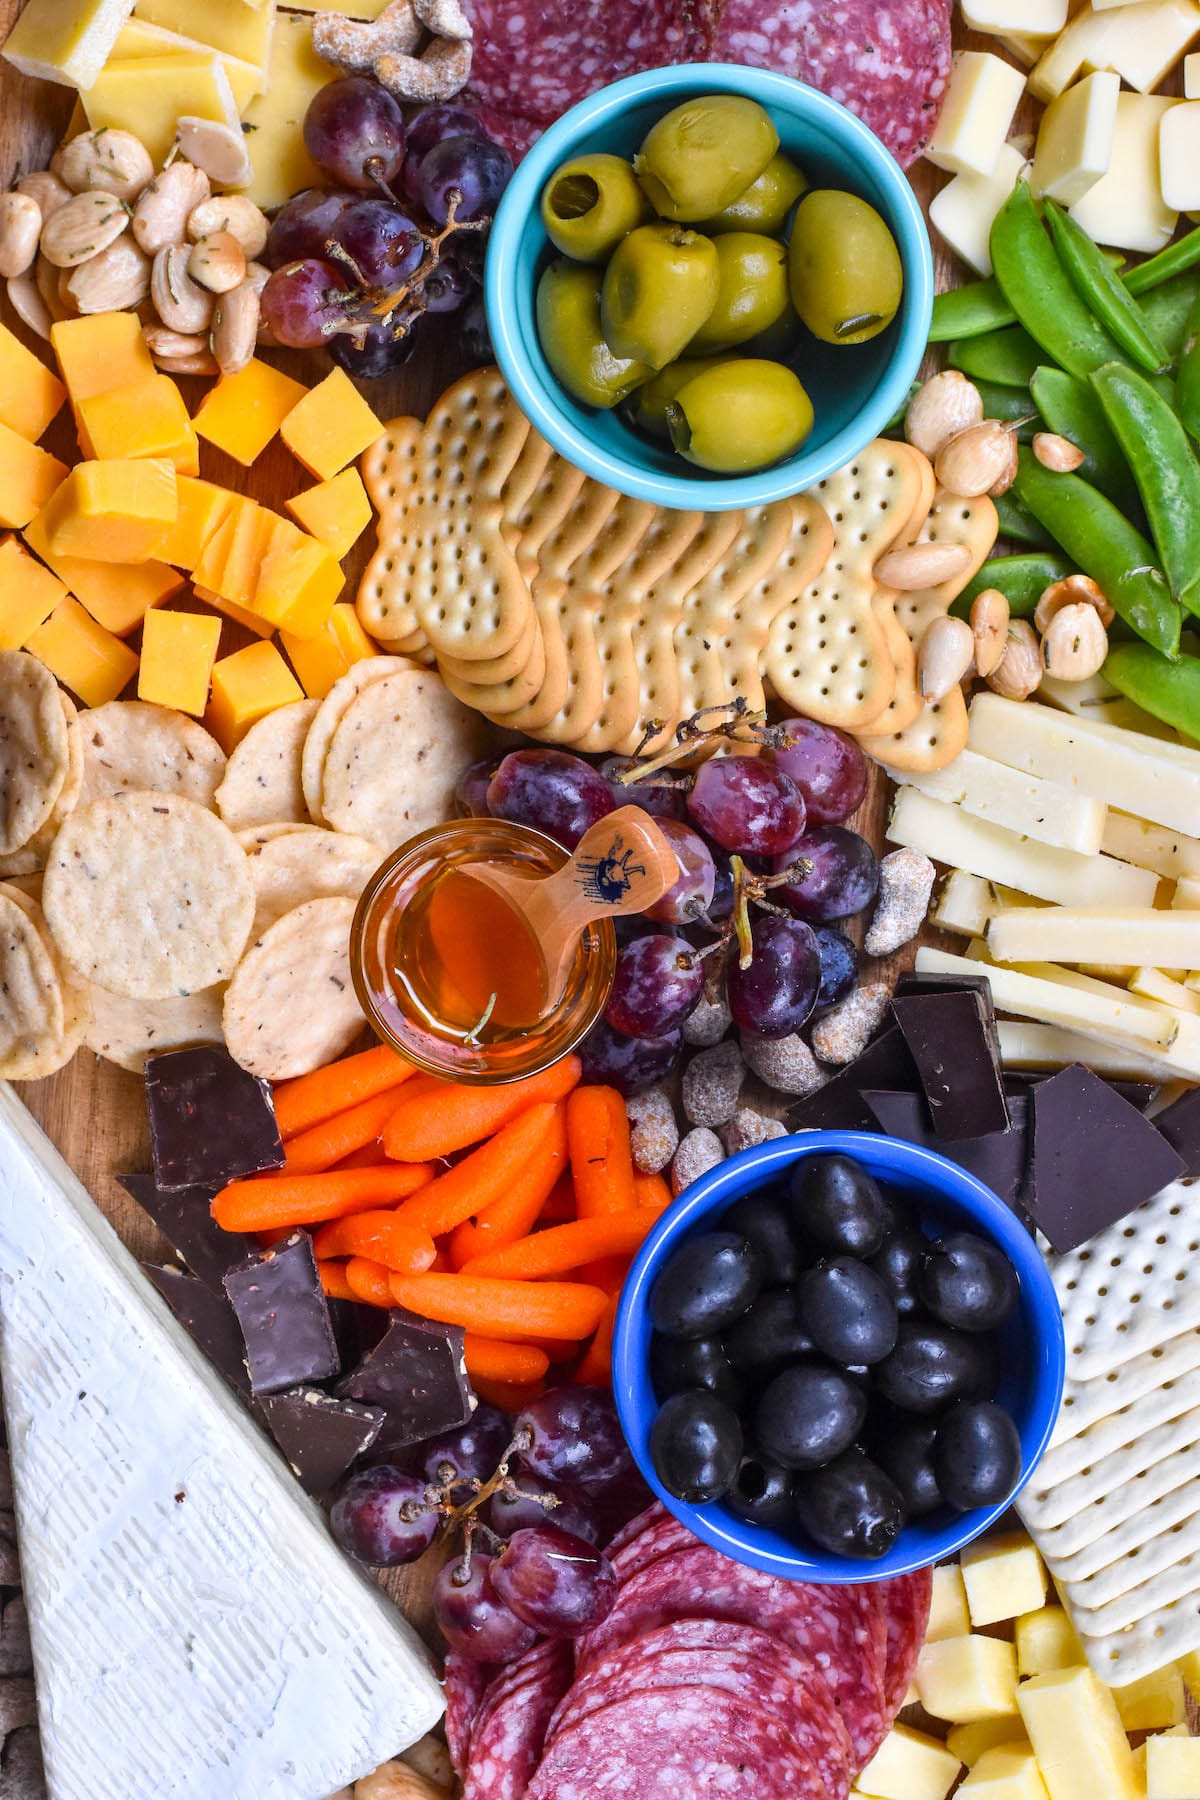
pixel 115 511
pixel 144 418
pixel 331 426
pixel 100 351
pixel 241 615
pixel 231 560
pixel 203 507
pixel 298 581
pixel 244 411
pixel 321 660
pixel 336 513
pixel 28 477
pixel 245 687
pixel 118 595
pixel 28 594
pixel 30 393
pixel 90 661
pixel 178 653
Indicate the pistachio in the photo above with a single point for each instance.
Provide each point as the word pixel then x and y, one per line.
pixel 980 460
pixel 161 341
pixel 181 303
pixel 26 301
pixel 944 656
pixel 49 192
pixel 235 328
pixel 110 159
pixel 942 407
pixel 83 227
pixel 218 262
pixel 20 229
pixel 1057 453
pixel 162 212
pixel 1076 643
pixel 236 215
pixel 220 150
pixel 1072 589
pixel 117 280
pixel 1019 670
pixel 921 565
pixel 989 628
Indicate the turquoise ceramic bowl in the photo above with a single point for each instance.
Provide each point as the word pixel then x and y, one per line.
pixel 855 390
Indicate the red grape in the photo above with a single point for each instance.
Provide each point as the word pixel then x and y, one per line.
pixel 380 353
pixel 472 1452
pixel 354 130
pixel 381 1516
pixel 506 1513
pixel 658 981
pixel 776 994
pixel 470 792
pixel 427 127
pixel 304 226
pixel 451 283
pixel 692 894
pixel 474 168
pixel 381 241
pixel 551 791
pixel 572 1434
pixel 557 1582
pixel 662 798
pixel 629 1064
pixel 473 333
pixel 473 1618
pixel 747 805
pixel 844 876
pixel 839 966
pixel 306 303
pixel 829 769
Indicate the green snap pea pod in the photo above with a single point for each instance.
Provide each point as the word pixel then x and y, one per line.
pixel 1073 410
pixel 1165 309
pixel 970 311
pixel 1013 405
pixel 1171 261
pixel 1187 386
pixel 1103 291
pixel 1021 579
pixel 1019 524
pixel 1007 357
pixel 1169 691
pixel 1040 291
pixel 1166 471
pixel 1100 539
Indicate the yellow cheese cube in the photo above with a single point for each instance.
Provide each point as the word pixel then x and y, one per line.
pixel 282 166
pixel 100 351
pixel 336 513
pixel 147 418
pixel 1172 1763
pixel 968 1678
pixel 331 426
pixel 1077 1736
pixel 948 1616
pixel 1189 1668
pixel 1046 1640
pixel 203 507
pixel 90 661
pixel 231 560
pixel 908 1765
pixel 138 40
pixel 151 94
pixel 28 477
pixel 28 594
pixel 241 615
pixel 67 41
pixel 226 25
pixel 118 595
pixel 243 412
pixel 245 687
pixel 969 1742
pixel 116 511
pixel 321 660
pixel 298 582
pixel 178 653
pixel 1003 1576
pixel 1154 1702
pixel 1005 1775
pixel 30 393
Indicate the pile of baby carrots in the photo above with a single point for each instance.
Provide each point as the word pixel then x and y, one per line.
pixel 513 1212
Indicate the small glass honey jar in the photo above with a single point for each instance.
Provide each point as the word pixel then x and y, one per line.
pixel 446 972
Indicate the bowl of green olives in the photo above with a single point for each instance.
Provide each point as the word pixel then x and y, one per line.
pixel 838 1357
pixel 709 286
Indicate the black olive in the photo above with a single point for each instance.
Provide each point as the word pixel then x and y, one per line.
pixel 696 1446
pixel 837 1206
pixel 933 1365
pixel 808 1415
pixel 851 1508
pixel 707 1284
pixel 967 1282
pixel 769 1335
pixel 847 1311
pixel 898 1263
pixel 762 1220
pixel 677 1364
pixel 762 1494
pixel 977 1455
pixel 903 1449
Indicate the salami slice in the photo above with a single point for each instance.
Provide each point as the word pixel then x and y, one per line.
pixel 887 60
pixel 516 133
pixel 506 1744
pixel 640 1522
pixel 465 1684
pixel 659 1539
pixel 905 1601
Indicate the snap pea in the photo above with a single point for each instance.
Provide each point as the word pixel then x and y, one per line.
pixel 1007 357
pixel 1166 310
pixel 1098 537
pixel 1040 292
pixel 1103 291
pixel 970 311
pixel 1019 524
pixel 1166 471
pixel 1171 261
pixel 1187 387
pixel 1021 579
pixel 1169 691
pixel 1072 409
pixel 1013 405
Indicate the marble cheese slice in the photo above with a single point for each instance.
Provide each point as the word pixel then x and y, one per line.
pixel 196 1631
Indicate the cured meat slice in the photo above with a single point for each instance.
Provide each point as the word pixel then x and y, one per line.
pixel 677 1745
pixel 640 1522
pixel 659 1538
pixel 506 1743
pixel 886 60
pixel 465 1683
pixel 905 1600
pixel 516 133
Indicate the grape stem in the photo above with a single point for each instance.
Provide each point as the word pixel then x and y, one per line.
pixel 693 734
pixel 751 889
pixel 413 289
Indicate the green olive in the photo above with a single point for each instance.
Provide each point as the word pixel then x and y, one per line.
pixel 845 268
pixel 752 291
pixel 568 322
pixel 766 203
pixel 659 288
pixel 703 154
pixel 740 416
pixel 590 204
pixel 647 408
pixel 779 341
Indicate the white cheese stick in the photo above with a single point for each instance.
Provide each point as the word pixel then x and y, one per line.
pixel 1095 699
pixel 1186 897
pixel 1096 934
pixel 964 904
pixel 1028 804
pixel 1168 853
pixel 1025 1045
pixel 1156 984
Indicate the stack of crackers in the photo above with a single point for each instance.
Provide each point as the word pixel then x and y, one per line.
pixel 564 610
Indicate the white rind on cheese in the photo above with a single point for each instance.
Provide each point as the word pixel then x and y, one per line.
pixel 197 1633
pixel 1028 804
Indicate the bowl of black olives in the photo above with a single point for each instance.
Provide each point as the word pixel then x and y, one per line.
pixel 838 1357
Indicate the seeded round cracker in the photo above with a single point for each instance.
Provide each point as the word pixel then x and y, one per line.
pixel 262 784
pixel 129 744
pixel 291 1006
pixel 148 895
pixel 308 865
pixel 59 1048
pixel 328 717
pixel 255 836
pixel 396 756
pixel 34 753
pixel 126 1031
pixel 32 1019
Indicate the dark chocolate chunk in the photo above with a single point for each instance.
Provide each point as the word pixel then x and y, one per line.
pixel 184 1218
pixel 952 1040
pixel 210 1121
pixel 1094 1157
pixel 998 1160
pixel 284 1316
pixel 208 1319
pixel 417 1374
pixel 1179 1123
pixel 319 1434
pixel 839 1105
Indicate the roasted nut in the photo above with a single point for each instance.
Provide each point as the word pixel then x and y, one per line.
pixel 218 262
pixel 26 301
pixel 711 1084
pixel 440 72
pixel 46 276
pixel 84 227
pixel 980 460
pixel 110 159
pixel 257 277
pixel 429 1757
pixel 20 229
pixel 653 1129
pixel 354 46
pixel 49 192
pixel 1075 644
pixel 844 1032
pixel 235 328
pixel 916 566
pixel 1057 453
pixel 219 150
pixel 1019 670
pixel 944 657
pixel 161 341
pixel 397 1781
pixel 62 288
pixel 708 1021
pixel 785 1064
pixel 236 215
pixel 1072 590
pixel 204 363
pixel 117 280
pixel 700 1151
pixel 180 302
pixel 905 884
pixel 989 628
pixel 942 407
pixel 162 212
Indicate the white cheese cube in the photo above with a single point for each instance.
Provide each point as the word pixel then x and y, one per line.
pixel 1075 140
pixel 983 96
pixel 1003 1575
pixel 948 1616
pixel 1005 1774
pixel 1179 156
pixel 909 1765
pixel 1081 45
pixel 1039 18
pixel 966 1678
pixel 966 208
pixel 970 1742
pixel 1077 1737
pixel 1186 897
pixel 1172 1767
pixel 1046 1640
pixel 1144 42
pixel 1126 207
pixel 1023 46
pixel 1154 1703
pixel 1191 76
pixel 963 906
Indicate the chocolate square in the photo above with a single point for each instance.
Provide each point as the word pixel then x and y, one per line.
pixel 952 1040
pixel 418 1375
pixel 210 1121
pixel 319 1434
pixel 209 1321
pixel 839 1105
pixel 284 1316
pixel 184 1218
pixel 998 1159
pixel 1179 1123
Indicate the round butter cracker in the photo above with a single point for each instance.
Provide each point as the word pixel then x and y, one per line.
pixel 262 784
pixel 291 1006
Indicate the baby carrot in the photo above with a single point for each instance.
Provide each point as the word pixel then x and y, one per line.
pixel 651 1190
pixel 503 1309
pixel 454 1116
pixel 268 1201
pixel 490 1359
pixel 596 1368
pixel 379 1235
pixel 560 1202
pixel 310 1098
pixel 513 1214
pixel 330 1142
pixel 508 1396
pixel 368 1281
pixel 483 1177
pixel 601 1164
pixel 333 1280
pixel 565 1247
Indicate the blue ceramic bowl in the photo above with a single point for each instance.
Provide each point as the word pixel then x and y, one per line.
pixel 855 390
pixel 944 1197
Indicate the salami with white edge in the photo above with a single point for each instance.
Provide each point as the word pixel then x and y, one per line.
pixel 506 1743
pixel 465 1683
pixel 906 1613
